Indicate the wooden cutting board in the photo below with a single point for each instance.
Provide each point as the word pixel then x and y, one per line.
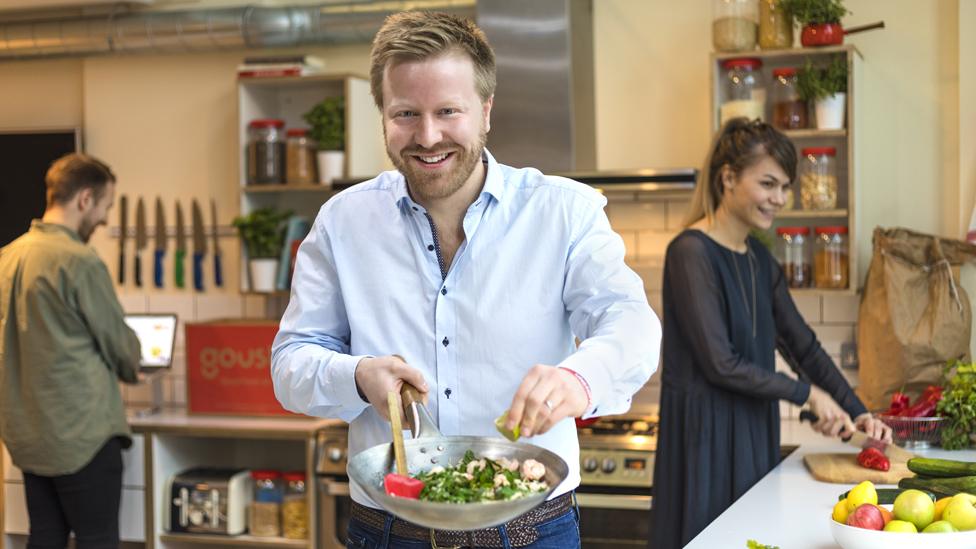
pixel 843 469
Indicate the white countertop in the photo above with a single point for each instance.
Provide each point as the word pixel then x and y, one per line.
pixel 788 508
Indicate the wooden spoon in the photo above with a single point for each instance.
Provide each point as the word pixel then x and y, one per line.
pixel 396 425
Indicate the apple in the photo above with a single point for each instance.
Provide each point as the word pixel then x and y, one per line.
pixel 916 507
pixel 961 512
pixel 939 527
pixel 900 526
pixel 866 516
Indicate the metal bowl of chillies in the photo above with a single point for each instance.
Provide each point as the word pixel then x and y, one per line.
pixel 914 425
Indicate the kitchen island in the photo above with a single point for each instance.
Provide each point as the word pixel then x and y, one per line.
pixel 788 508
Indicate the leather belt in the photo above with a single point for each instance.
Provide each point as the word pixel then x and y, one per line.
pixel 521 530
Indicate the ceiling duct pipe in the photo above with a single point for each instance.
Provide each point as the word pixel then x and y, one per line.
pixel 204 30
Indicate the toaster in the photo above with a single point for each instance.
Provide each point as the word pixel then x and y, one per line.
pixel 207 500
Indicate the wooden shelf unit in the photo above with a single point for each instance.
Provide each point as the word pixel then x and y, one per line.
pixel 845 140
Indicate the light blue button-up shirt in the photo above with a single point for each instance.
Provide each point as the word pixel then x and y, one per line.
pixel 539 265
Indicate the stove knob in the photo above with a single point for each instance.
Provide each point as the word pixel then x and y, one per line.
pixel 590 465
pixel 335 455
pixel 609 465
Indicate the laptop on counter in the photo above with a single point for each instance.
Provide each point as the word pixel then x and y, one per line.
pixel 157 337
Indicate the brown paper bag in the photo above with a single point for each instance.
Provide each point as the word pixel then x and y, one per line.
pixel 914 314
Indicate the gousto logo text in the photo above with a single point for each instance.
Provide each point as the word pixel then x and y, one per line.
pixel 214 359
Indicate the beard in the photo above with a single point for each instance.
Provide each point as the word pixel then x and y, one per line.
pixel 427 186
pixel 86 228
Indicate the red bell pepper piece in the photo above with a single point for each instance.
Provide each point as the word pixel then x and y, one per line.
pixel 926 403
pixel 402 486
pixel 899 402
pixel 872 458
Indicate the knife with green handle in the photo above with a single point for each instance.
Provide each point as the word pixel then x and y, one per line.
pixel 180 247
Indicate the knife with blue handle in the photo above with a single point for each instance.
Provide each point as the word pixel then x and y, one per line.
pixel 142 239
pixel 160 249
pixel 199 247
pixel 218 275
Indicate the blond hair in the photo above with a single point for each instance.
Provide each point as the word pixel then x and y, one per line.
pixel 738 145
pixel 418 35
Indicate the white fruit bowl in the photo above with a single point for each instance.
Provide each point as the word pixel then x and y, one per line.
pixel 850 537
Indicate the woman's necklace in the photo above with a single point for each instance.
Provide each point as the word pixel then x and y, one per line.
pixel 742 287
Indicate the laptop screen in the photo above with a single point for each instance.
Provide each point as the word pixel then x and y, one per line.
pixel 157 335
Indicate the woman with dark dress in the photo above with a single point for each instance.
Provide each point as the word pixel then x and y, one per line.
pixel 727 309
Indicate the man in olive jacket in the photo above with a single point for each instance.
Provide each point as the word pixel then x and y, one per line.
pixel 63 347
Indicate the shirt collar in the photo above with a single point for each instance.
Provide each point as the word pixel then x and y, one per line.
pixel 39 225
pixel 494 182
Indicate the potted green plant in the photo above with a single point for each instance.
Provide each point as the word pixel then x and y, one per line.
pixel 328 128
pixel 826 87
pixel 820 20
pixel 263 233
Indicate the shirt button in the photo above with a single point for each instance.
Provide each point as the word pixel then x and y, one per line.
pixel 415 208
pixel 446 342
pixel 443 291
pixel 447 393
pixel 430 247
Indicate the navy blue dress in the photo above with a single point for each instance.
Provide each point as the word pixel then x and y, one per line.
pixel 725 314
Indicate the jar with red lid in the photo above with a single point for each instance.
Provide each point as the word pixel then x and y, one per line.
pixel 830 261
pixel 818 178
pixel 294 506
pixel 789 111
pixel 734 25
pixel 745 92
pixel 793 253
pixel 299 156
pixel 265 509
pixel 265 151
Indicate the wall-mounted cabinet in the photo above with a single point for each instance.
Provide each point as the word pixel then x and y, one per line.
pixel 844 142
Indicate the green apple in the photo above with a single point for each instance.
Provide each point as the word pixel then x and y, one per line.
pixel 961 511
pixel 916 507
pixel 900 526
pixel 939 527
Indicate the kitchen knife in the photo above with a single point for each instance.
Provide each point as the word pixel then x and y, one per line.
pixel 142 239
pixel 199 247
pixel 160 244
pixel 123 227
pixel 218 276
pixel 180 246
pixel 861 441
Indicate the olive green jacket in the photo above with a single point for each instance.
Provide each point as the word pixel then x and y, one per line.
pixel 63 347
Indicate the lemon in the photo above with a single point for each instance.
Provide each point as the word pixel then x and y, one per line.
pixel 512 434
pixel 861 494
pixel 841 512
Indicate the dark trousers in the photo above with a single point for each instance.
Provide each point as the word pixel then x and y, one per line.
pixel 86 503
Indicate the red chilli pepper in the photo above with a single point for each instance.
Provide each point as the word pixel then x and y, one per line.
pixel 872 458
pixel 402 486
pixel 926 403
pixel 899 402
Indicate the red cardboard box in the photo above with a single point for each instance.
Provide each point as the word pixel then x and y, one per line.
pixel 228 366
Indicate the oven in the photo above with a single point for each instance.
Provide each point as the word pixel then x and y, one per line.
pixel 614 496
pixel 616 470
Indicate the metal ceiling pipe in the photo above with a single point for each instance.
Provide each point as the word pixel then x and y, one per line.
pixel 204 30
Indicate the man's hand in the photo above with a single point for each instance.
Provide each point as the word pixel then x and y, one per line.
pixel 833 420
pixel 546 396
pixel 375 377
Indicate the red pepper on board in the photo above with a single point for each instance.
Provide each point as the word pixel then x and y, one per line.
pixel 872 458
pixel 402 486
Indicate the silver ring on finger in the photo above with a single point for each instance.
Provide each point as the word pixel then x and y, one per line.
pixel 549 405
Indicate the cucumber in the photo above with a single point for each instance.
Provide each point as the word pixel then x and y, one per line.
pixel 941 487
pixel 946 468
pixel 886 496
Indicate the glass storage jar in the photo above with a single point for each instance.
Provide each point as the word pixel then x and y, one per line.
pixel 734 25
pixel 793 252
pixel 775 26
pixel 265 513
pixel 830 262
pixel 299 157
pixel 265 151
pixel 745 91
pixel 818 178
pixel 789 111
pixel 294 507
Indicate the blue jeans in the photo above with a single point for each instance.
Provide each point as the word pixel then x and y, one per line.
pixel 561 532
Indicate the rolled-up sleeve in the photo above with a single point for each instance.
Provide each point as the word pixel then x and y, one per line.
pixel 609 313
pixel 311 369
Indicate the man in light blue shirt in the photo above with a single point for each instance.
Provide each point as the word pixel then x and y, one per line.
pixel 481 276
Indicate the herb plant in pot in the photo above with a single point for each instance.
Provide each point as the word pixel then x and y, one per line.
pixel 328 127
pixel 826 87
pixel 263 233
pixel 820 20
